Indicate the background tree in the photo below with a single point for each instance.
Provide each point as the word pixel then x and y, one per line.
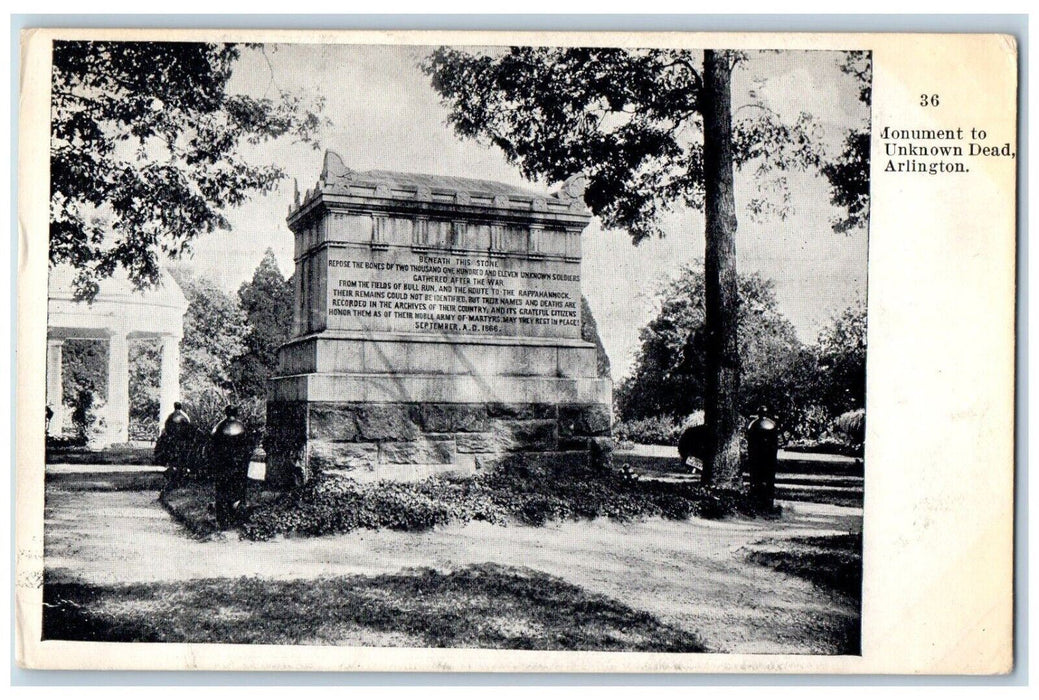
pixel 267 302
pixel 849 172
pixel 84 366
pixel 84 377
pixel 669 375
pixel 146 151
pixel 145 373
pixel 214 335
pixel 841 353
pixel 651 129
pixel 590 334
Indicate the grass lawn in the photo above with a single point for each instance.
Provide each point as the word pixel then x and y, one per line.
pixel 835 498
pixel 484 605
pixel 832 563
pixel 117 454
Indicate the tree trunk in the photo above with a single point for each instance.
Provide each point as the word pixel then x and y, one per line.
pixel 722 466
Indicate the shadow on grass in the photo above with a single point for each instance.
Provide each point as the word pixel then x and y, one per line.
pixel 832 563
pixel 118 454
pixel 107 481
pixel 484 605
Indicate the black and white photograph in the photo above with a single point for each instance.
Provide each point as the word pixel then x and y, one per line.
pixel 505 347
pixel 476 351
pixel 524 347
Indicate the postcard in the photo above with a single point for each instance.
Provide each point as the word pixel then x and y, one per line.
pixel 490 351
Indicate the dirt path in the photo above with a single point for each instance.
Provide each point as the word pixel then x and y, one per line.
pixel 689 574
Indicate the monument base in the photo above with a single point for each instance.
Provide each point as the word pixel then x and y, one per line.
pixel 544 405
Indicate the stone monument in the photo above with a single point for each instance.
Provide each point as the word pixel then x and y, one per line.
pixel 437 326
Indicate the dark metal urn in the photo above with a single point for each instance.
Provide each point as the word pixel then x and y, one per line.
pixel 229 450
pixel 762 460
pixel 175 447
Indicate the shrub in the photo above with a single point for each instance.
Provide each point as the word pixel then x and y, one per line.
pixel 660 430
pixel 91 421
pixel 206 409
pixel 143 427
pixel 852 426
pixel 533 495
pixel 193 459
pixel 810 423
pixel 818 432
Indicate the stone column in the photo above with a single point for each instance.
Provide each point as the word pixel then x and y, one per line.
pixel 169 376
pixel 118 388
pixel 55 397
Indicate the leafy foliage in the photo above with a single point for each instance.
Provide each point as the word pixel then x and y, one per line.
pixel 654 430
pixel 214 334
pixel 849 180
pixel 145 151
pixel 590 334
pixel 145 371
pixel 84 365
pixel 530 494
pixel 807 387
pixel 849 172
pixel 841 352
pixel 668 378
pixel 207 409
pixel 630 120
pixel 267 301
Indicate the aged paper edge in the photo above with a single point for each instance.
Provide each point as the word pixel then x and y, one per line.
pixel 938 556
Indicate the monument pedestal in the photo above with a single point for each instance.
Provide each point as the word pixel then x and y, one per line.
pixel 438 328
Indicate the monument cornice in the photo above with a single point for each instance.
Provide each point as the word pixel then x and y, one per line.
pixel 475 211
pixel 414 194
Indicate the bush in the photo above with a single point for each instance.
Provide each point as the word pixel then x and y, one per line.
pixel 89 417
pixel 852 426
pixel 192 460
pixel 527 494
pixel 660 430
pixel 206 409
pixel 144 427
pixel 818 432
pixel 810 423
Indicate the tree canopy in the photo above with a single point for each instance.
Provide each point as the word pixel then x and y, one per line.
pixel 806 386
pixel 848 173
pixel 630 120
pixel 841 352
pixel 215 328
pixel 267 300
pixel 146 151
pixel 668 377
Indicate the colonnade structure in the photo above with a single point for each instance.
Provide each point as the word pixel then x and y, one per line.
pixel 118 314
